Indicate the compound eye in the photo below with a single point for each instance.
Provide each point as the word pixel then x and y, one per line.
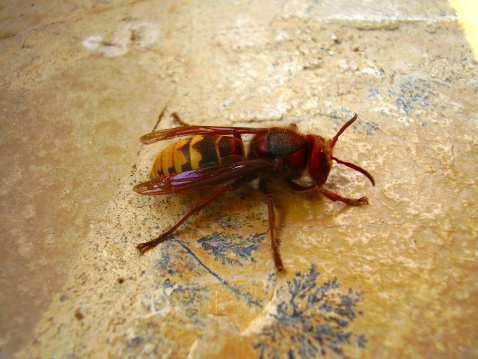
pixel 324 163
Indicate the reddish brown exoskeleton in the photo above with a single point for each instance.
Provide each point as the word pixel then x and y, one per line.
pixel 215 157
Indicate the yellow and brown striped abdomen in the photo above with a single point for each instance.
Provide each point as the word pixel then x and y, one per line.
pixel 197 152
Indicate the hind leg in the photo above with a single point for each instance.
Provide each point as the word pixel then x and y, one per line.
pixel 143 247
pixel 176 118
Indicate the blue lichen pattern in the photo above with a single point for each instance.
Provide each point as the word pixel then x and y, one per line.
pixel 312 320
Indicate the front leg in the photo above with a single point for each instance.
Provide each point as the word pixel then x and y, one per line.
pixel 329 194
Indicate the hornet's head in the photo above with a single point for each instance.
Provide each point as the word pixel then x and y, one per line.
pixel 322 155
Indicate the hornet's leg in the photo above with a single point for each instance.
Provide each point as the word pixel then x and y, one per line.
pixel 272 226
pixel 329 194
pixel 143 247
pixel 176 118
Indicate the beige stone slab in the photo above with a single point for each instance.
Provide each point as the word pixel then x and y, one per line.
pixel 80 84
pixel 396 277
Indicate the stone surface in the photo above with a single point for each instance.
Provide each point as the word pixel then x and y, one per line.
pixel 392 279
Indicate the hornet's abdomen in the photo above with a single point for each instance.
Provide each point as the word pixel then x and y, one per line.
pixel 197 152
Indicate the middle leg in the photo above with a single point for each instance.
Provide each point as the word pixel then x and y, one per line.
pixel 272 226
